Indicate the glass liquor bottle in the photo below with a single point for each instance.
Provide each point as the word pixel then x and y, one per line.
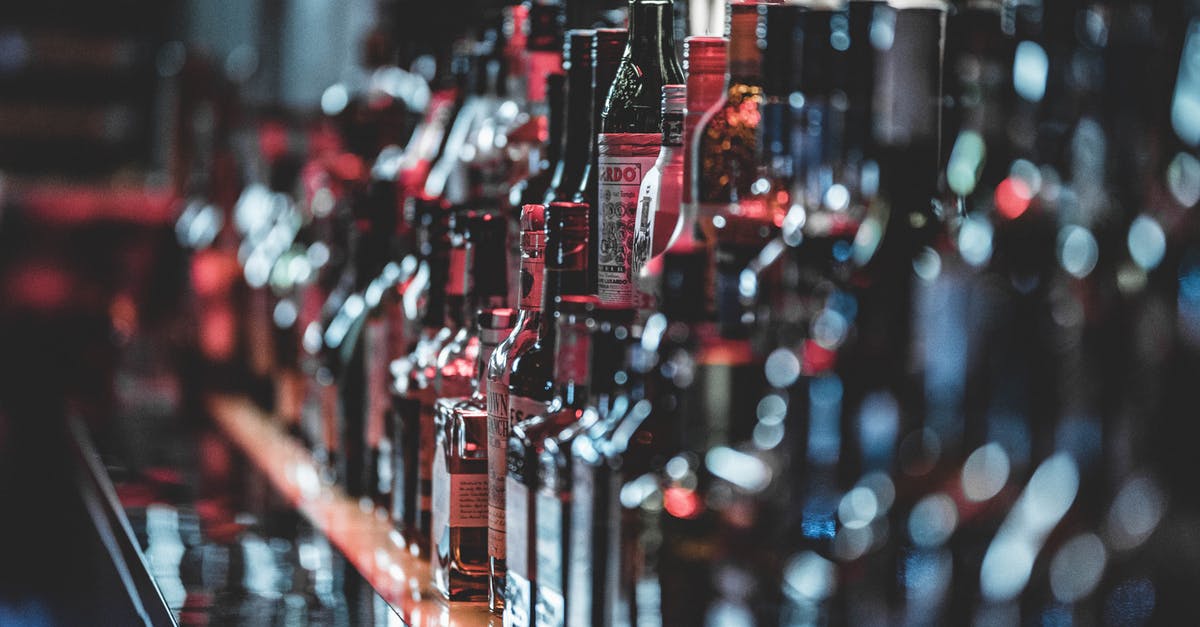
pixel 383 341
pixel 629 141
pixel 531 376
pixel 577 63
pixel 658 204
pixel 531 390
pixel 416 375
pixel 704 60
pixel 545 84
pixel 486 276
pixel 460 475
pixel 728 184
pixel 592 348
pixel 423 299
pixel 608 46
pixel 523 337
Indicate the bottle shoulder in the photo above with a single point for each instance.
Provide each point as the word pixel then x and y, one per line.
pixel 531 373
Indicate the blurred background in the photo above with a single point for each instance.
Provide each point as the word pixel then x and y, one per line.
pixel 113 115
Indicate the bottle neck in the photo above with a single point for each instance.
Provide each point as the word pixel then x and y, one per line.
pixel 438 263
pixel 489 339
pixel 556 121
pixel 652 37
pixel 565 273
pixel 455 314
pixel 745 58
pixel 704 89
pixel 489 288
pixel 672 124
pixel 578 118
pixel 533 265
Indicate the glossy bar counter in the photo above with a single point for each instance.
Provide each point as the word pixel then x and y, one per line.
pixel 366 539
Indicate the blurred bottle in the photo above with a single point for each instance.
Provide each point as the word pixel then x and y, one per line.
pixel 460 473
pixel 704 59
pixel 591 344
pixel 414 375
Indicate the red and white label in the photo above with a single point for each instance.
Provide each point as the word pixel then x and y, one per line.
pixel 623 161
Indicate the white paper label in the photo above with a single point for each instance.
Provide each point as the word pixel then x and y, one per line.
pixel 516 519
pixel 497 406
pixel 624 160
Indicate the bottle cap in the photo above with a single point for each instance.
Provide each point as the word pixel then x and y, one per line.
pixel 567 236
pixel 533 228
pixel 533 218
pixel 609 44
pixel 674 98
pixel 577 48
pixel 704 55
pixel 545 27
pixel 485 229
pixel 567 217
pixel 501 318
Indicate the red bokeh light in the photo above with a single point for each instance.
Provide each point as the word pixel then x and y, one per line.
pixel 1012 197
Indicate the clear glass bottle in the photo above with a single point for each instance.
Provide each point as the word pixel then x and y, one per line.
pixel 728 184
pixel 523 337
pixel 658 204
pixel 704 59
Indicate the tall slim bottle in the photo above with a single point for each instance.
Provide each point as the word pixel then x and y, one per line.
pixel 729 164
pixel 629 142
pixel 608 46
pixel 523 337
pixel 591 345
pixel 460 500
pixel 531 390
pixel 576 140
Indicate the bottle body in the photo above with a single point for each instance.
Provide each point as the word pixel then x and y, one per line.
pixel 629 142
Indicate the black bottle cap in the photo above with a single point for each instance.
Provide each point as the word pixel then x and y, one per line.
pixel 609 44
pixel 486 229
pixel 577 49
pixel 497 319
pixel 545 25
pixel 566 217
